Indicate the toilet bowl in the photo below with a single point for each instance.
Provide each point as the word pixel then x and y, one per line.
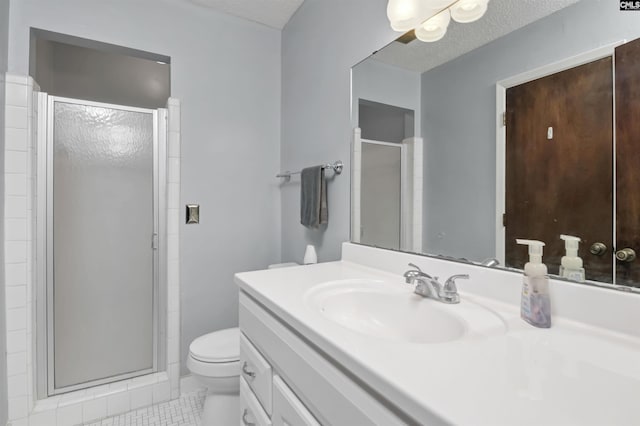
pixel 214 360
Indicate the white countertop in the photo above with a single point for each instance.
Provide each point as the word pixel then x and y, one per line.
pixel 569 374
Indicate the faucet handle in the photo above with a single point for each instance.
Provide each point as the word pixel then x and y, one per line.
pixel 413 265
pixel 450 284
pixel 450 290
pixel 411 275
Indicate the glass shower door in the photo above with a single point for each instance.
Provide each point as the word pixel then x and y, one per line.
pixel 380 194
pixel 100 250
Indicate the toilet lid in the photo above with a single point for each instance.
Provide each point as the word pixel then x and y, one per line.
pixel 219 346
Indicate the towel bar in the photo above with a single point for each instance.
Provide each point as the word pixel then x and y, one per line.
pixel 336 167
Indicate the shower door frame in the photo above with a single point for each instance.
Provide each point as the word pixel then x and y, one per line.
pixel 403 232
pixel 45 311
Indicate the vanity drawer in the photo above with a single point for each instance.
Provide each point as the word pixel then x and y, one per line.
pixel 251 412
pixel 287 408
pixel 256 370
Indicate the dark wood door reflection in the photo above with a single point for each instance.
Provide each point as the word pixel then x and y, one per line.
pixel 559 166
pixel 628 160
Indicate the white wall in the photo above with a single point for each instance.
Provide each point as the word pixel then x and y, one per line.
pixel 4 35
pixel 321 43
pixel 226 72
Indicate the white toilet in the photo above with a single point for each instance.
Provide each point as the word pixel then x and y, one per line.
pixel 214 359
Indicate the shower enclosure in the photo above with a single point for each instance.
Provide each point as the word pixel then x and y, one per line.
pixel 100 179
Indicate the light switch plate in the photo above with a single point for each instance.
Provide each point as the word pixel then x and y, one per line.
pixel 193 214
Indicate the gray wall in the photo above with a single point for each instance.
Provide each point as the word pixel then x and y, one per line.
pixel 226 72
pixel 86 73
pixel 321 43
pixel 379 82
pixel 458 119
pixel 4 35
pixel 381 122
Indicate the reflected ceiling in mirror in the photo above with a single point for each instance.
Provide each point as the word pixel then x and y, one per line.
pixel 502 17
pixel 453 182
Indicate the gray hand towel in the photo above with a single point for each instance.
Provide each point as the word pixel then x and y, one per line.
pixel 313 197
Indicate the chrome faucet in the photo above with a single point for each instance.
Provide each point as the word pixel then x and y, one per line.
pixel 428 286
pixel 491 262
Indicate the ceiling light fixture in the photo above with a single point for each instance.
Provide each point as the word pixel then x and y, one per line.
pixel 465 11
pixel 433 29
pixel 430 18
pixel 405 14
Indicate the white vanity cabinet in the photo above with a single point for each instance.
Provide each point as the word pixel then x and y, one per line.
pixel 257 373
pixel 251 412
pixel 287 408
pixel 287 381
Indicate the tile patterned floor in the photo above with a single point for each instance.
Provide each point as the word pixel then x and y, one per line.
pixel 185 411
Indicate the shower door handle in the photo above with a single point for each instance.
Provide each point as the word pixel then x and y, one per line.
pixel 154 241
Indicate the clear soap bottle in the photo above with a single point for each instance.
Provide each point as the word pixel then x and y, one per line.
pixel 535 305
pixel 571 264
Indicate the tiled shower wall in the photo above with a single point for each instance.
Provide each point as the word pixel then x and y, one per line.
pixel 173 246
pixel 20 276
pixel 19 247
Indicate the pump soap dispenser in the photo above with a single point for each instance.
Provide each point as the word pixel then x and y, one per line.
pixel 535 306
pixel 571 264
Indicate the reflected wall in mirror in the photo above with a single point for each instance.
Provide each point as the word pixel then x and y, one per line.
pixel 530 121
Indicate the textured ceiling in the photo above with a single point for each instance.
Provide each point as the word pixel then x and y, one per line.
pixel 273 13
pixel 502 17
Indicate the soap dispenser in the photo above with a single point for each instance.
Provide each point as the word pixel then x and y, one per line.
pixel 310 255
pixel 571 264
pixel 535 306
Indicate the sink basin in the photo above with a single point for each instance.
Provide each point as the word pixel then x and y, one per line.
pixel 379 309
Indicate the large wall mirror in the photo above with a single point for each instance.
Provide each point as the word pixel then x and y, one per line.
pixel 524 124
